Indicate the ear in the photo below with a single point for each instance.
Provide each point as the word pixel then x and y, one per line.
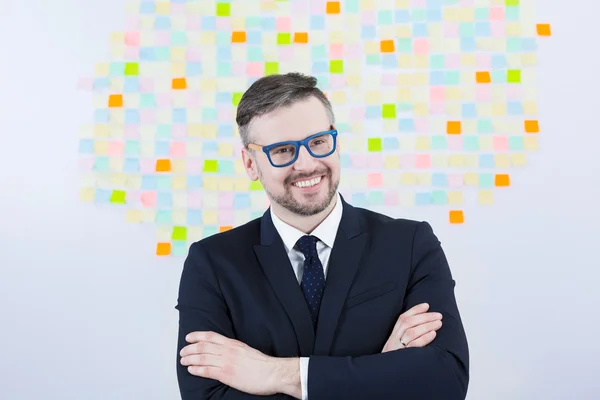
pixel 249 164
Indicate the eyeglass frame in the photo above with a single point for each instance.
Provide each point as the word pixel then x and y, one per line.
pixel 297 143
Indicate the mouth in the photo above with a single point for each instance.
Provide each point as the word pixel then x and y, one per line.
pixel 309 184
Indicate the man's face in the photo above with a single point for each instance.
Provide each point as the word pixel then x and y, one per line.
pixel 300 120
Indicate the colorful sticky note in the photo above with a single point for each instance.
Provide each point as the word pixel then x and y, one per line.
pixel 271 67
pixel 532 126
pixel 163 249
pixel 336 66
pixel 513 76
pixel 223 9
pixel 375 144
pixel 301 37
pixel 115 100
pixel 179 83
pixel 502 180
pixel 457 217
pixel 225 228
pixel 256 185
pixel 388 111
pixel 211 166
pixel 163 165
pixel 485 197
pixel 544 30
pixel 387 46
pixel 179 233
pixel 132 69
pixel 284 38
pixel 453 127
pixel 118 197
pixel 333 7
pixel 238 37
pixel 483 77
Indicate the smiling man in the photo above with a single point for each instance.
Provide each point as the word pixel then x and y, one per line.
pixel 317 299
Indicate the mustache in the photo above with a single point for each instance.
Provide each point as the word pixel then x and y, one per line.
pixel 291 179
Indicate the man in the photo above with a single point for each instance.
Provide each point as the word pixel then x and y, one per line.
pixel 317 299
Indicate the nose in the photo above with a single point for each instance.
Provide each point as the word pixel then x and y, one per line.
pixel 304 161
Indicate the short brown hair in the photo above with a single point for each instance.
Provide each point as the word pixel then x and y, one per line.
pixel 275 91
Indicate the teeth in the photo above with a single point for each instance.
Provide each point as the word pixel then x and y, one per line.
pixel 309 183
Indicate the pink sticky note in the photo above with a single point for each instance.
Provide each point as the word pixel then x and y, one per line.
pixel 437 107
pixel 375 160
pixel 85 84
pixel 451 29
pixel 132 131
pixel 337 81
pixel 497 13
pixel 388 79
pixel 423 161
pixel 254 69
pixel 300 7
pixel 163 100
pixel 421 125
pixel 194 99
pixel 284 24
pixel 134 197
pixel 148 199
pixel 147 165
pixel 455 142
pixel 116 148
pixel 193 22
pixel 358 160
pixel 437 93
pixel 483 61
pixel 177 8
pixel 132 38
pixel 86 163
pixel 194 200
pixel 391 199
pixel 419 3
pixel 146 85
pixel 407 160
pixel 336 50
pixel 193 54
pixel 514 92
pixel 177 149
pixel 421 46
pixel 358 112
pixel 455 180
pixel 132 22
pixel 195 166
pixel 147 116
pixel 224 24
pixel 369 18
pixel 466 3
pixel 452 61
pixel 226 216
pixel 375 180
pixel 162 38
pixel 500 143
pixel 353 51
pixel 483 92
pixel 286 53
pixel 132 53
pixel 226 200
pixel 498 29
pixel 179 130
pixel 224 114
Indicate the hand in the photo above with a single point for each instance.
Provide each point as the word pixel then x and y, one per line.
pixel 231 362
pixel 416 328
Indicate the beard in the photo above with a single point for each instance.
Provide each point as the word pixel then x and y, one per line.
pixel 287 200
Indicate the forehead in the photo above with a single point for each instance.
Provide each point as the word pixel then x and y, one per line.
pixel 295 122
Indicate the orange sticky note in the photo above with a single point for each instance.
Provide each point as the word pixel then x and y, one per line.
pixel 544 30
pixel 238 37
pixel 457 217
pixel 163 165
pixel 225 228
pixel 453 128
pixel 502 180
pixel 387 46
pixel 532 126
pixel 115 100
pixel 179 83
pixel 301 37
pixel 333 7
pixel 483 77
pixel 163 249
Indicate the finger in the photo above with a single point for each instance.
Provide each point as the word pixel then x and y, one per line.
pixel 206 336
pixel 203 360
pixel 423 340
pixel 418 309
pixel 419 330
pixel 206 372
pixel 405 323
pixel 201 348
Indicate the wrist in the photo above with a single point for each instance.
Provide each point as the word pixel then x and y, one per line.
pixel 287 377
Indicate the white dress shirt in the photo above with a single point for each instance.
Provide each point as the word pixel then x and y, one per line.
pixel 326 232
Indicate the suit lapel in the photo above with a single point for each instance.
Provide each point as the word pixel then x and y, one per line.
pixel 344 261
pixel 276 266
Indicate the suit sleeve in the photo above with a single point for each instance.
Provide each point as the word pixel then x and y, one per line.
pixel 437 371
pixel 202 307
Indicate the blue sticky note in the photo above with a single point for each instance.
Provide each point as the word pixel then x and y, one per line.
pixel 498 61
pixel 163 131
pixel 498 76
pixel 320 67
pixel 224 69
pixel 439 197
pixel 439 179
pixel 373 112
pixel 208 23
pixel 345 160
pixel 226 167
pixel 164 200
pixel 468 44
pixel 486 161
pixel 437 78
pixel 469 110
pixel 406 125
pixel 101 83
pixel 256 214
pixel 164 217
pixel 423 199
pixel 86 146
pixel 268 23
pixel 389 61
pixel 101 164
pixel 434 15
pixel 209 230
pixel 254 37
pixel 319 52
pixel 224 52
pixel 402 16
pixel 360 199
pixel 391 143
pixel 485 126
pixel 193 69
pixel 132 85
pixel 418 14
pixel 161 148
pixel 132 165
pixel 439 142
pixel 224 39
pixel 515 143
pixel 194 181
pixel 147 54
pixel 147 7
pixel 241 201
pixel 316 22
pixel 162 22
pixel 132 117
pixel 323 82
pixel 179 248
pixel 528 44
pixel 147 100
pixel 255 54
pixel 209 114
pixel 194 217
pixel 376 198
pixel 513 45
pixel 101 116
pixel 436 4
pixel 514 108
pixel 471 143
pixel 486 180
pixel 482 29
pixel 225 130
pixel 209 147
pixel 223 98
pixel 179 115
pixel 385 17
pixel 148 182
pixel 163 182
pixel 102 196
pixel 368 32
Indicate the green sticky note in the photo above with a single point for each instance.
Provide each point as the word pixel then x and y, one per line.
pixel 271 67
pixel 485 126
pixel 482 13
pixel 513 76
pixel 132 148
pixel 437 61
pixel 116 69
pixel 467 29
pixel 375 144
pixel 179 248
pixel 405 45
pixel 179 233
pixel 132 69
pixel 178 38
pixel 226 167
pixel 388 111
pixel 516 142
pixel 439 142
pixel 164 217
pixel 471 143
pixel 511 3
pixel 211 166
pixel 147 100
pixel 376 198
pixel 223 9
pixel 439 197
pixel 486 180
pixel 118 196
pixel 237 96
pixel 336 66
pixel 256 185
pixel 284 38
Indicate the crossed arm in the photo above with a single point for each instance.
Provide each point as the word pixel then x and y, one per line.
pixel 213 365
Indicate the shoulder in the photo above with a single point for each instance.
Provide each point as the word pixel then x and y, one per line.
pixel 231 241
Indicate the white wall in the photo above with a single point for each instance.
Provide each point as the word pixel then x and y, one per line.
pixel 87 310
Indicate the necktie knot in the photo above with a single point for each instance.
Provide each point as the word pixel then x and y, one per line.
pixel 308 246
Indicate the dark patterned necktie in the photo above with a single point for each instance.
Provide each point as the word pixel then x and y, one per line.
pixel 313 277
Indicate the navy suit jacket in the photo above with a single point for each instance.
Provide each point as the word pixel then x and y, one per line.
pixel 240 284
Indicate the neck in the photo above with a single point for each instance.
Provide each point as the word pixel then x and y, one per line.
pixel 303 223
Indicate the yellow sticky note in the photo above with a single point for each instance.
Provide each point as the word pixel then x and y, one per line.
pixel 179 183
pixel 456 160
pixel 424 179
pixel 455 197
pixel 210 217
pixel 210 182
pixel 391 162
pixel 226 184
pixel 502 160
pixel 179 217
pixel 499 109
pixel 148 215
pixel 373 97
pixel 421 109
pixel 241 184
pixel 408 178
pixel 531 143
pixel 226 149
pixel 133 216
pixel 178 166
pixel 530 108
pixel 100 148
pixel 471 179
pixel 485 197
pixel 338 98
pixel 518 159
pixel 162 8
pixel 209 131
pixel 87 195
pixel 238 166
pixel 118 179
pixel 423 143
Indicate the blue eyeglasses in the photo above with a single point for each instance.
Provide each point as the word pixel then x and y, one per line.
pixel 282 154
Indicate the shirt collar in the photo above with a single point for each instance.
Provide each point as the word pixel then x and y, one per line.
pixel 326 231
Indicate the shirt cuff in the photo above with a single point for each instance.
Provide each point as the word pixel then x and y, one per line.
pixel 304 377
